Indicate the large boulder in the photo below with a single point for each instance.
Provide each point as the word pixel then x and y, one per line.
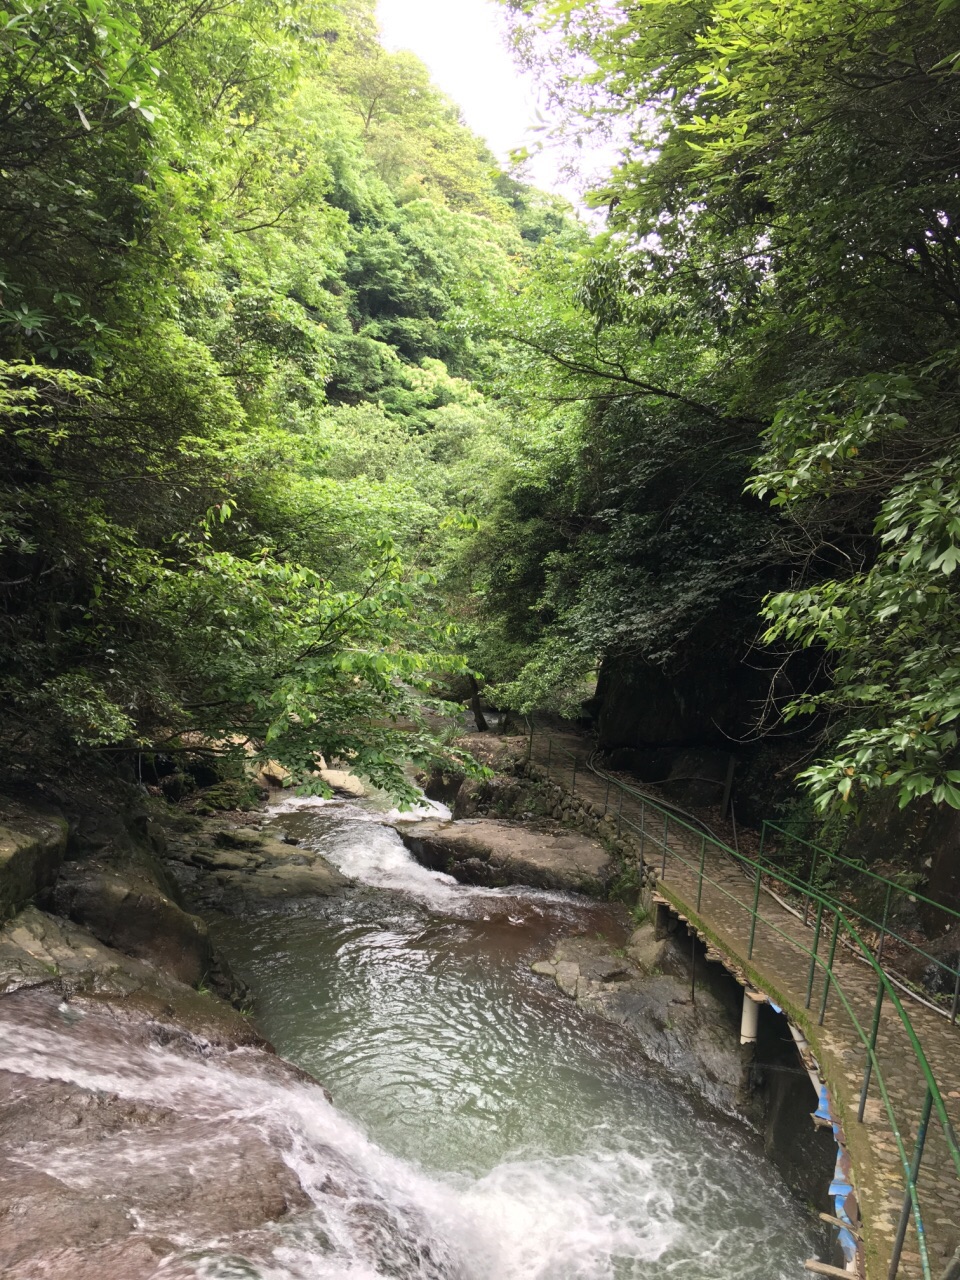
pixel 495 853
pixel 32 848
pixel 39 950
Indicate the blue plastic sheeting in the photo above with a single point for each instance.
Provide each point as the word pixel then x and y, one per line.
pixel 841 1187
pixel 823 1111
pixel 773 1006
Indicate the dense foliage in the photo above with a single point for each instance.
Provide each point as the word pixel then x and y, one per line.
pixel 308 407
pixel 240 250
pixel 774 302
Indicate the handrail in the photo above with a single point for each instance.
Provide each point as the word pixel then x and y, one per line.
pixel 826 905
pixel 804 890
pixel 861 870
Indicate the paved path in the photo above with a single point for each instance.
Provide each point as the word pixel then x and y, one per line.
pixel 779 967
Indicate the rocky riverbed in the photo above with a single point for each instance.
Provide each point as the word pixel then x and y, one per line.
pixel 646 988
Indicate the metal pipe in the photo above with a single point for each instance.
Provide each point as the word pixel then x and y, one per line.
pixel 813 954
pixel 813 872
pixel 828 976
pixel 911 1188
pixel 549 755
pixel 693 967
pixel 753 920
pixel 883 925
pixel 803 1049
pixel 573 783
pixel 666 829
pixel 619 812
pixel 873 1045
pixel 703 855
pixel 956 998
pixel 606 798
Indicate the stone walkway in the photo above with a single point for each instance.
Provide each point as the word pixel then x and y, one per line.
pixel 779 967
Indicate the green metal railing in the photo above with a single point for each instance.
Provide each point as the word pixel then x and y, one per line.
pixel 667 840
pixel 822 862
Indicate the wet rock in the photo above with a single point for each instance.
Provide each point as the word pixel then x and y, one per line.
pixel 90 1176
pixel 129 906
pixel 32 848
pixel 240 891
pixel 696 1044
pixel 245 871
pixel 567 974
pixel 37 949
pixel 146 1161
pixel 647 951
pixel 492 852
pixel 234 837
pixel 36 1208
pixel 226 860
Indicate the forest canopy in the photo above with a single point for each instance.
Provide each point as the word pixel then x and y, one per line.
pixel 311 411
pixel 243 250
pixel 764 343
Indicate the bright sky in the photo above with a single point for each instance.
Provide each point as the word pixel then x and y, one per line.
pixel 463 43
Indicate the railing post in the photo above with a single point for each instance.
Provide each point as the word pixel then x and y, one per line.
pixel 619 812
pixel 813 954
pixel 813 872
pixel 643 828
pixel 883 923
pixel 666 828
pixel 873 1045
pixel 753 918
pixel 606 798
pixel 703 856
pixel 828 977
pixel 956 998
pixel 763 839
pixel 573 781
pixel 911 1184
pixel 549 756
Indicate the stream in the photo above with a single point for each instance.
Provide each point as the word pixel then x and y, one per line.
pixel 478 1126
pixel 540 1143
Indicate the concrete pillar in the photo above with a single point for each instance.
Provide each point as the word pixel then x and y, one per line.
pixel 662 922
pixel 750 1019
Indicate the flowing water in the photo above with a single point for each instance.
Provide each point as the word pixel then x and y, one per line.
pixel 482 1127
pixel 564 1152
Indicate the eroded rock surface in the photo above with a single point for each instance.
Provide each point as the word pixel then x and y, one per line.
pixel 237 871
pixel 32 847
pixel 110 1157
pixel 492 852
pixel 644 990
pixel 129 904
pixel 40 950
